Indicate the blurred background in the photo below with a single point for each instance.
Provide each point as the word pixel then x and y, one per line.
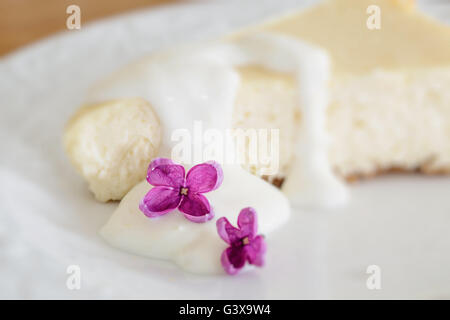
pixel 25 21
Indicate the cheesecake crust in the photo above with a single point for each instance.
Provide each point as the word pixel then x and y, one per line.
pixel 424 169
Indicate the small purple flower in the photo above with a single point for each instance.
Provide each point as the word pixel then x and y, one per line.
pixel 245 244
pixel 173 190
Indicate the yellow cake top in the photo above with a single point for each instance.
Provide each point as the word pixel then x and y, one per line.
pixel 347 29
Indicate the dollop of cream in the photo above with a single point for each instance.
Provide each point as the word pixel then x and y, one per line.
pixel 195 247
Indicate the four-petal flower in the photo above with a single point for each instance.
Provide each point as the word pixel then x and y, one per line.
pixel 172 189
pixel 245 244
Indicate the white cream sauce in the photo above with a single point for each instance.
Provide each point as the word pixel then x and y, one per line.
pixel 200 85
pixel 195 247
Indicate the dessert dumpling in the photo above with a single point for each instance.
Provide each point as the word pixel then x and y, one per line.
pixel 112 143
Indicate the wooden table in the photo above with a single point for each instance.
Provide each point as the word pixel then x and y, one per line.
pixel 25 21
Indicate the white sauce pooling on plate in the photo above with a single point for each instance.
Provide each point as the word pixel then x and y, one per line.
pixel 201 85
pixel 195 247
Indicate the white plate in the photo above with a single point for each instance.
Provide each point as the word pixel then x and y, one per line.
pixel 48 219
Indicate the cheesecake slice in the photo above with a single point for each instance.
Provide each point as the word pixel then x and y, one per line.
pixel 389 91
pixel 381 96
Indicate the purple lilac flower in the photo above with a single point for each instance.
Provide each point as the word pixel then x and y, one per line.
pixel 245 244
pixel 172 189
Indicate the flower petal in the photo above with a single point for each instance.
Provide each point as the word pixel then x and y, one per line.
pixel 204 177
pixel 159 201
pixel 233 259
pixel 248 222
pixel 196 208
pixel 164 172
pixel 227 232
pixel 256 250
